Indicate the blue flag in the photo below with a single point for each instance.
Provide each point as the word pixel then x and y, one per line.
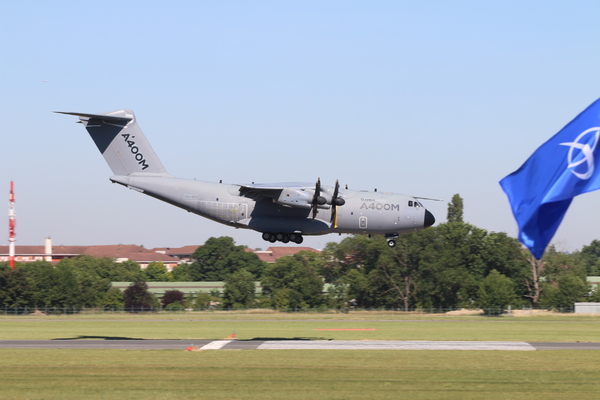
pixel 541 191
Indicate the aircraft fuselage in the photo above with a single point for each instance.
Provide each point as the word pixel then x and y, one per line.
pixel 364 212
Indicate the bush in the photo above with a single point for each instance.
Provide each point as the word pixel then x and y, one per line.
pixel 496 292
pixel 137 298
pixel 173 296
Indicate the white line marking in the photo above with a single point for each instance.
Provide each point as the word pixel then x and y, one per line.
pixel 392 345
pixel 215 345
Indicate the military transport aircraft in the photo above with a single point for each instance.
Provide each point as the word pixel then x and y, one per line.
pixel 280 211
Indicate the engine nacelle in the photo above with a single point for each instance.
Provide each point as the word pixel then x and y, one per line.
pixel 295 198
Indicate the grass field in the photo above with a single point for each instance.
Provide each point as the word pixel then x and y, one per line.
pixel 299 374
pixel 543 328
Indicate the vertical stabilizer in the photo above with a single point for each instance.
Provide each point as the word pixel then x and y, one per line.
pixel 121 142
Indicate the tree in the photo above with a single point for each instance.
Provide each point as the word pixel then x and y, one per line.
pixel 239 289
pixel 203 301
pixel 298 277
pixel 15 289
pixel 53 286
pixel 569 289
pixel 137 297
pixel 113 299
pixel 95 274
pixel 496 292
pixel 451 265
pixel 557 263
pixel 455 209
pixel 354 252
pixel 105 268
pixel 220 257
pixel 286 298
pixel 590 256
pixel 173 297
pixel 533 281
pixel 180 273
pixel 399 266
pixel 359 291
pixel 157 272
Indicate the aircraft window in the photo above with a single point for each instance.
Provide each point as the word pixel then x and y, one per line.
pixel 410 203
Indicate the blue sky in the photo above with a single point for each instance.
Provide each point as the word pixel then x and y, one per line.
pixel 424 98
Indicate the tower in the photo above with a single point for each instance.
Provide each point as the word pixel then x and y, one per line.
pixel 11 226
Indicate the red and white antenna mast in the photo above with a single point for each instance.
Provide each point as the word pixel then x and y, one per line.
pixel 11 226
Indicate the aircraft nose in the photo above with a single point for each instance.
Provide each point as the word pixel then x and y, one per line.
pixel 429 219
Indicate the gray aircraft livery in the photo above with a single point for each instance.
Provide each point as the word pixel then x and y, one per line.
pixel 282 212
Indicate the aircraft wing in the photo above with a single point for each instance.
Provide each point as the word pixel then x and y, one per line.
pixel 288 194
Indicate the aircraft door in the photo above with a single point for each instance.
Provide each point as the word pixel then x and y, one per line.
pixel 243 213
pixel 362 222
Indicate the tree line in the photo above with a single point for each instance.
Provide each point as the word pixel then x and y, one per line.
pixel 449 266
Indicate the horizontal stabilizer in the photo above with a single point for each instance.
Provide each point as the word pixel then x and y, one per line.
pixel 102 117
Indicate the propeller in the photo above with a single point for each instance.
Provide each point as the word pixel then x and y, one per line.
pixel 317 198
pixel 336 201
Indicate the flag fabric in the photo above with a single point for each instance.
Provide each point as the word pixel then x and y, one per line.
pixel 541 191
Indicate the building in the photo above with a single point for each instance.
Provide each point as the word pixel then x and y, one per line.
pixel 119 252
pixel 169 256
pixel 272 254
pixel 182 253
pixel 188 288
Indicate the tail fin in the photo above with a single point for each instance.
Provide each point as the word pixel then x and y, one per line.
pixel 121 142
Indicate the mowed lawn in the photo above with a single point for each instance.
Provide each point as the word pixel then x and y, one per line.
pixel 569 328
pixel 299 374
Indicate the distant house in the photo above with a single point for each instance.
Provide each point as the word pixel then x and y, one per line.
pixel 169 256
pixel 182 253
pixel 119 252
pixel 274 253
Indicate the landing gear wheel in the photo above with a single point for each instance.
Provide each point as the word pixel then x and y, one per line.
pixel 392 243
pixel 296 238
pixel 266 236
pixel 272 238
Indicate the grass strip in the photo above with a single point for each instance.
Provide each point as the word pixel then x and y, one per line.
pixel 251 374
pixel 541 330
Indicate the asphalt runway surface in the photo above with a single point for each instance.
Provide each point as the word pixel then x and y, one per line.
pixel 196 345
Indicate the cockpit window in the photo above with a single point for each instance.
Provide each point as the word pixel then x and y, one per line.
pixel 414 204
pixel 410 203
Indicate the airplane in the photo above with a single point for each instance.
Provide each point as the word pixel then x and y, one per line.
pixel 284 212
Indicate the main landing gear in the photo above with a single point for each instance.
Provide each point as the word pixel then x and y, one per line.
pixel 283 237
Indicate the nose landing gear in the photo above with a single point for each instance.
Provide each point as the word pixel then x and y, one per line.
pixel 390 239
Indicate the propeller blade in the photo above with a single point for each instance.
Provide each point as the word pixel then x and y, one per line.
pixel 315 201
pixel 336 190
pixel 335 201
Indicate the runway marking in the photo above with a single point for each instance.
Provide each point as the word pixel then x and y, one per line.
pixel 215 345
pixel 355 329
pixel 392 345
pixel 283 344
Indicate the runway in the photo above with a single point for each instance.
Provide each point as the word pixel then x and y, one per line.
pixel 284 344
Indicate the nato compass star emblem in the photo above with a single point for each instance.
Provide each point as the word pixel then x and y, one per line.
pixel 585 154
